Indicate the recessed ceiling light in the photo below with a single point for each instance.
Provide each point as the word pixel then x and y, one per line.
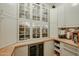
pixel 53 6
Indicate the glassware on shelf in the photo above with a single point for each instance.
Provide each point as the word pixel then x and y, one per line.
pixel 24 31
pixel 36 32
pixel 44 32
pixel 21 36
pixel 27 32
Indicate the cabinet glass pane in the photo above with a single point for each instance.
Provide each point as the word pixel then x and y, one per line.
pixel 24 31
pixel 45 15
pixel 44 32
pixel 21 29
pixel 21 39
pixel 27 14
pixel 27 32
pixel 36 12
pixel 21 10
pixel 27 11
pixel 21 36
pixel 36 32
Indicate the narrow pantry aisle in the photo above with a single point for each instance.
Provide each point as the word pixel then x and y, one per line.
pixel 39 29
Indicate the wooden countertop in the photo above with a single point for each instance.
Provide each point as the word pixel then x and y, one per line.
pixel 70 42
pixel 7 51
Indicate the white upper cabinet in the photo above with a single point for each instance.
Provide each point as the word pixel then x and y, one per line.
pixel 72 15
pixel 37 16
pixel 53 22
pixel 68 15
pixel 60 16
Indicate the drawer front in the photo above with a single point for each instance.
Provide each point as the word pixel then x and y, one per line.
pixel 70 47
pixel 68 52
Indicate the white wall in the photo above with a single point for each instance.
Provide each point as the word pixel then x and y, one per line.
pixel 68 15
pixel 8 24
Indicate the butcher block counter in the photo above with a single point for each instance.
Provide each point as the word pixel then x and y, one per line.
pixel 8 50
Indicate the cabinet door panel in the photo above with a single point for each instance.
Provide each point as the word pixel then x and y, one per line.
pixel 68 50
pixel 68 53
pixel 36 50
pixel 48 48
pixel 61 15
pixel 33 50
pixel 41 50
pixel 21 51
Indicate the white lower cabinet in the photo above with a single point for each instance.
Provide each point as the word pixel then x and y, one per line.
pixel 48 48
pixel 68 50
pixel 21 51
pixel 34 49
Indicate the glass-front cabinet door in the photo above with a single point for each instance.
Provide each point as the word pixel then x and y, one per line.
pixel 24 10
pixel 24 31
pixel 36 32
pixel 29 14
pixel 21 10
pixel 45 31
pixel 21 32
pixel 36 11
pixel 45 12
pixel 27 11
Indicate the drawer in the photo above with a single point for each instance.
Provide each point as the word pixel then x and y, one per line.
pixel 68 52
pixel 72 48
